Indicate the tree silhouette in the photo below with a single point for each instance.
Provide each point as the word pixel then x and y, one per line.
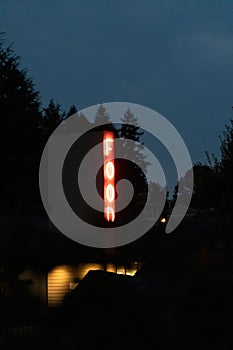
pixel 206 193
pixel 183 189
pixel 102 116
pixel 19 104
pixel 71 111
pixel 223 167
pixel 20 133
pixel 156 195
pixel 131 130
pixel 52 117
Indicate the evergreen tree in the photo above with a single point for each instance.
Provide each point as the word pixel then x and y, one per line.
pixel 20 134
pixel 156 195
pixel 19 105
pixel 226 162
pixel 206 192
pixel 131 130
pixel 133 166
pixel 71 111
pixel 102 116
pixel 52 117
pixel 224 167
pixel 223 170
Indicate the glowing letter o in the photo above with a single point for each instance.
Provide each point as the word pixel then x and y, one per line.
pixel 110 193
pixel 109 170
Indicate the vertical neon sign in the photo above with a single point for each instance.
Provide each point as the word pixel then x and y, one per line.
pixel 109 176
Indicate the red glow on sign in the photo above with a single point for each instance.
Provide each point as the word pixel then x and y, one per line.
pixel 109 176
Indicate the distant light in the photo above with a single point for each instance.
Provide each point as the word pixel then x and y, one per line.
pixel 109 176
pixel 163 220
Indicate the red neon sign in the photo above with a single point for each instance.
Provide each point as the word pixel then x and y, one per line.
pixel 109 176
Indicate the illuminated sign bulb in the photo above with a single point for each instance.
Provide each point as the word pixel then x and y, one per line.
pixel 109 169
pixel 110 193
pixel 110 212
pixel 108 147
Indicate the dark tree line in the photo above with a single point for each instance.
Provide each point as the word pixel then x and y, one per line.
pixel 213 181
pixel 223 173
pixel 25 128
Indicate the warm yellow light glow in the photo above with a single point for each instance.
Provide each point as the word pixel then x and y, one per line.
pixel 58 284
pixel 131 272
pixel 163 220
pixel 84 268
pixel 64 278
pixel 121 270
pixel 111 268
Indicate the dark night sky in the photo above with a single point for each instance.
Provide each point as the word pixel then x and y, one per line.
pixel 173 56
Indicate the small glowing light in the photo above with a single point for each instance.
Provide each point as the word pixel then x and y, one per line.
pixel 109 168
pixel 163 220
